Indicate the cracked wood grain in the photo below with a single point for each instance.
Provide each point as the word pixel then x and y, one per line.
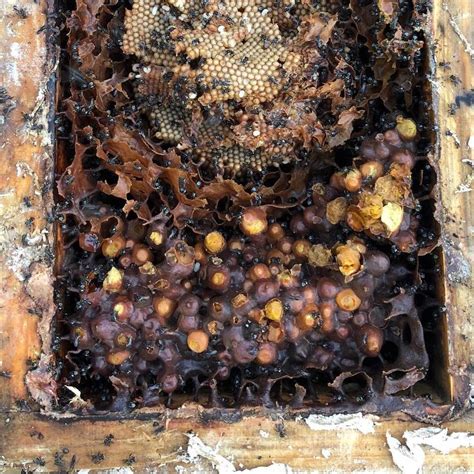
pixel 146 441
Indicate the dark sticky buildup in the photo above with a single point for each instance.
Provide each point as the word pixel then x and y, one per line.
pixel 240 223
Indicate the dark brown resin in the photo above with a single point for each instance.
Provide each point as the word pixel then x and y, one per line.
pixel 295 271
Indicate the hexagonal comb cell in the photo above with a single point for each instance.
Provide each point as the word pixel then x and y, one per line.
pixel 240 220
pixel 231 56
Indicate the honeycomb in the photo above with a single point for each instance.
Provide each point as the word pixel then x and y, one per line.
pixel 244 206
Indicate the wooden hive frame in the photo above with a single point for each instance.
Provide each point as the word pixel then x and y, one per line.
pixel 150 439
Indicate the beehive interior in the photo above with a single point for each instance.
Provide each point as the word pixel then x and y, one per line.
pixel 245 205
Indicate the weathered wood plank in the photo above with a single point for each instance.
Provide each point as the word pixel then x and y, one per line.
pixel 248 443
pixel 453 88
pixel 25 193
pixel 26 158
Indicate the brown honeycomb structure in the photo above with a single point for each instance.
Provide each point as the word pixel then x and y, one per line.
pixel 265 248
pixel 235 52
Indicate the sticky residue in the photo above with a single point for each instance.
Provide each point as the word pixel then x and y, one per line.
pixel 198 451
pixel 439 439
pixel 409 458
pixel 326 453
pixel 363 423
pixel 458 266
pixel 462 37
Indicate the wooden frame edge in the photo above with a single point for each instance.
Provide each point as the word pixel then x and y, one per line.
pixel 27 300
